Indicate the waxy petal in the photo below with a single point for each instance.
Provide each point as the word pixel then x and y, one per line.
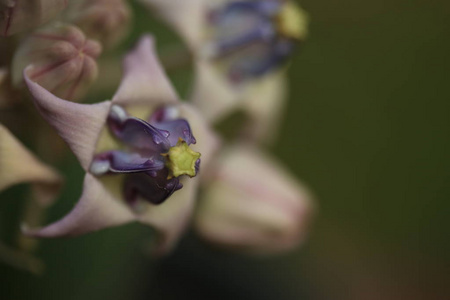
pixel 144 81
pixel 19 165
pixel 253 205
pixel 97 209
pixel 78 124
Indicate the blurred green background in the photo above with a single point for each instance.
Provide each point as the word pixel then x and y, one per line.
pixel 367 128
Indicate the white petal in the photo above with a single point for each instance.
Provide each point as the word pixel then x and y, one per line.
pixel 97 209
pixel 78 124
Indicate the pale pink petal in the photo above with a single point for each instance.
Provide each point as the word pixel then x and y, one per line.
pixel 97 209
pixel 253 205
pixel 144 81
pixel 264 103
pixel 19 165
pixel 78 124
pixel 171 218
pixel 187 17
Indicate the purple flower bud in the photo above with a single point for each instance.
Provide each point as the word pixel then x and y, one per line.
pixel 104 20
pixel 17 16
pixel 62 60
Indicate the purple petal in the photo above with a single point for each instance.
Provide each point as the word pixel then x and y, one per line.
pixel 154 189
pixel 124 162
pixel 97 209
pixel 139 134
pixel 177 129
pixel 144 81
pixel 78 124
pixel 207 140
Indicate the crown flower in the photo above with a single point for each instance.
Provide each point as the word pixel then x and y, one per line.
pixel 240 48
pixel 125 146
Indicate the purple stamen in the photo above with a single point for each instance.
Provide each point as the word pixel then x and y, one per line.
pixel 124 162
pixel 154 189
pixel 247 40
pixel 139 134
pixel 144 160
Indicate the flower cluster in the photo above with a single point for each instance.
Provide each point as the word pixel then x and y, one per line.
pixel 146 154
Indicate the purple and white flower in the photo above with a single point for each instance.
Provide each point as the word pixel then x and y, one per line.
pixel 125 146
pixel 240 48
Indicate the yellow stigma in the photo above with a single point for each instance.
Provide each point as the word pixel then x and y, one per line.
pixel 292 21
pixel 181 160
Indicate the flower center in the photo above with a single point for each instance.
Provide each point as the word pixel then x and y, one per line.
pixel 182 160
pixel 252 38
pixel 291 21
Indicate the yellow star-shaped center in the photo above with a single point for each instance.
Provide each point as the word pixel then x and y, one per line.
pixel 292 21
pixel 181 160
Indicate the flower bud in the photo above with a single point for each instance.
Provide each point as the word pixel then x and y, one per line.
pixel 59 58
pixel 17 16
pixel 104 20
pixel 252 205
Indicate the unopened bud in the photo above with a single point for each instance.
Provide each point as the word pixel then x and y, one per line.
pixel 252 205
pixel 104 20
pixel 59 58
pixel 17 16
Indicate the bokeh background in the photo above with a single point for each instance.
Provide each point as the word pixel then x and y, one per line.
pixel 367 128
